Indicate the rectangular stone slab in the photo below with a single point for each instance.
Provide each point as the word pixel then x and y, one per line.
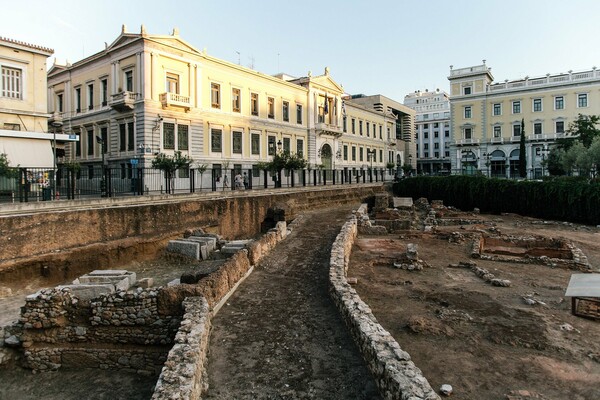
pixel 121 282
pixel 186 248
pixel 88 292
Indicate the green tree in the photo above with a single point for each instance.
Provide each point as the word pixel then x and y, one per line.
pixel 285 160
pixel 522 154
pixel 571 155
pixel 554 162
pixel 170 164
pixel 5 169
pixel 584 128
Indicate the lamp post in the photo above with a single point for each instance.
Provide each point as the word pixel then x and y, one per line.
pixel 545 151
pixel 370 155
pixel 487 157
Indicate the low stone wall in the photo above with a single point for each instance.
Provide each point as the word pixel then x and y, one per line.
pixel 395 374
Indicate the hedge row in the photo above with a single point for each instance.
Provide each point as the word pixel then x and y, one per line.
pixel 561 199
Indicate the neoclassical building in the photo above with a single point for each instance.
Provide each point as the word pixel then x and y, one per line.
pixel 148 94
pixel 486 117
pixel 432 130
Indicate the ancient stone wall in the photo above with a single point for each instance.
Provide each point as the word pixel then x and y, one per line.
pixel 395 374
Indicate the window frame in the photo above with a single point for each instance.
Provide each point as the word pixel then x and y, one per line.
pixel 516 106
pixel 285 111
pixel 17 79
pixel 537 105
pixel 215 95
pixel 271 107
pixel 237 136
pixel 236 100
pixel 216 140
pixel 557 102
pixel 582 100
pixel 468 112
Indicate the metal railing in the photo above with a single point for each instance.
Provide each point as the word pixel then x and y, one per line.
pixel 35 184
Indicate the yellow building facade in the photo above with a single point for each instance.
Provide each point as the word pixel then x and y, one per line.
pixel 487 117
pixel 149 94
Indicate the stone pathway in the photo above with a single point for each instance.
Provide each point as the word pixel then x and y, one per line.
pixel 279 336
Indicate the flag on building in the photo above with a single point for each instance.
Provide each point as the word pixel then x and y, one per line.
pixel 326 108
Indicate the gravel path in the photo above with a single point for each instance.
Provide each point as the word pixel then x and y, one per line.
pixel 280 336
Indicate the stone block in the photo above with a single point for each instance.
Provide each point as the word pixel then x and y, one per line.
pixel 403 202
pixel 204 251
pixel 88 292
pixel 121 282
pixel 185 248
pixel 145 283
pixel 115 272
pixel 174 282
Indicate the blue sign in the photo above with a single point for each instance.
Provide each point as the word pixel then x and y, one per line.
pixel 73 137
pixel 134 161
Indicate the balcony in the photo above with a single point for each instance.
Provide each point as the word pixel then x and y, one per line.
pixel 169 99
pixel 323 128
pixel 497 140
pixel 467 142
pixel 124 101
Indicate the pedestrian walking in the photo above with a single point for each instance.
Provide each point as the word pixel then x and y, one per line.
pixel 245 180
pixel 225 182
pixel 238 181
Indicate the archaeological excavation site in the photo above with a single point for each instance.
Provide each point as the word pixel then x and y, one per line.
pixel 285 297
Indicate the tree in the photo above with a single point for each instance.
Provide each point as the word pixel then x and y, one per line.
pixel 522 154
pixel 202 169
pixel 5 168
pixel 571 155
pixel 584 129
pixel 170 164
pixel 554 162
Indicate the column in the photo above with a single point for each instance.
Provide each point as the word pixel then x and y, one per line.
pixel 153 76
pixel 138 73
pixel 191 84
pixel 146 89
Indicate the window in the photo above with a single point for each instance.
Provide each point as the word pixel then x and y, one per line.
pixel 59 102
pixel 255 143
pixel 237 142
pixel 271 107
pixel 560 126
pixel 11 83
pixel 497 109
pixel 172 83
pixel 537 128
pixel 516 107
pixel 271 145
pixel 437 154
pixel 468 112
pixel 168 136
pixel 360 127
pixel 78 147
pixel 254 103
pixel 368 129
pixel 380 132
pixel 104 92
pixel 381 155
pixel 345 152
pixel 122 137
pixel 436 145
pixel 467 90
pixel 559 103
pixel 129 81
pixel 90 142
pixel 360 154
pixel 287 147
pixel 353 126
pixel 344 124
pixel 446 153
pixel 468 133
pixel 299 113
pixel 446 133
pixel 426 146
pixel 516 130
pixel 426 154
pixel 582 100
pixel 216 142
pixel 130 137
pixel 235 100
pixel 537 105
pixel 215 95
pixel 183 137
pixel 425 126
pixel 300 147
pixel 353 153
pixel 497 131
pixel 90 96
pixel 78 100
pixel 104 136
pixel 285 111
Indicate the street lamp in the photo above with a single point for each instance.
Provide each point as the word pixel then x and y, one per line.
pixel 55 125
pixel 279 145
pixel 487 157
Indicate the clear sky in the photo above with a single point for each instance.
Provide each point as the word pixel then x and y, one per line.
pixel 371 47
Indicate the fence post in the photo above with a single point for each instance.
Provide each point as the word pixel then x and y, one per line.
pixel 192 175
pixel 266 178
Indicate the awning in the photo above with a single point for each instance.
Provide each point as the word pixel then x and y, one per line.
pixel 27 153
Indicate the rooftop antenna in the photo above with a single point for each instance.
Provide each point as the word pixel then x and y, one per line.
pixel 251 65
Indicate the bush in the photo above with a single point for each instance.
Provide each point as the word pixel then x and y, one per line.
pixel 565 199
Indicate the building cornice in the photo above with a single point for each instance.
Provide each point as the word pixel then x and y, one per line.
pixel 17 44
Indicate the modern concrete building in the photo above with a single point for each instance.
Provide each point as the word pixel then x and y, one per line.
pixel 486 117
pixel 148 94
pixel 432 130
pixel 24 136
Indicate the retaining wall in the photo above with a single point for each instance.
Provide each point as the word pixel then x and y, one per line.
pixel 395 374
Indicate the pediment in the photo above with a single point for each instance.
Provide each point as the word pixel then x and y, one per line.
pixel 123 39
pixel 325 82
pixel 175 42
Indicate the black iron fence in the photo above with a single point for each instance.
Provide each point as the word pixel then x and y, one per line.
pixel 32 184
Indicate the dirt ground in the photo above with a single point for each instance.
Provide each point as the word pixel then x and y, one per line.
pixel 485 340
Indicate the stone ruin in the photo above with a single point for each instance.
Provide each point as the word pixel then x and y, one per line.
pixel 410 260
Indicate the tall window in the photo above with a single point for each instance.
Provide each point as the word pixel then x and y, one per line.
pixel 271 106
pixel 90 142
pixel 215 95
pixel 255 144
pixel 582 100
pixel 353 153
pixel 237 142
pixel 235 100
pixel 360 154
pixel 497 109
pixel 497 131
pixel 104 136
pixel 11 83
pixel 368 129
pixel 468 112
pixel 78 100
pixel 344 123
pixel 287 146
pixel 183 137
pixel 353 126
pixel 468 133
pixel 271 145
pixel 560 126
pixel 360 127
pixel 122 137
pixel 537 128
pixel 130 137
pixel 559 103
pixel 129 80
pixel 345 152
pixel 300 147
pixel 172 83
pixel 285 110
pixel 216 142
pixel 254 103
pixel 537 105
pixel 59 102
pixel 299 113
pixel 168 136
pixel 381 132
pixel 516 130
pixel 104 91
pixel 467 90
pixel 516 106
pixel 90 96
